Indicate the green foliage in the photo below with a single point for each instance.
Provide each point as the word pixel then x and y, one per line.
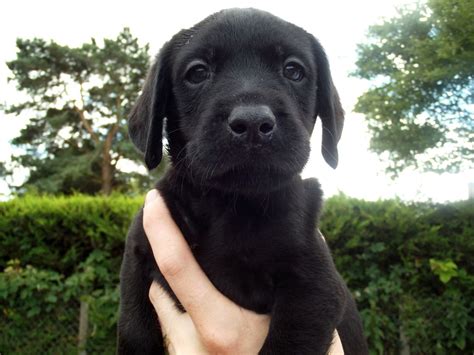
pixel 78 99
pixel 56 252
pixel 409 266
pixel 421 67
pixel 32 298
pixel 444 269
pixel 37 306
pixel 57 233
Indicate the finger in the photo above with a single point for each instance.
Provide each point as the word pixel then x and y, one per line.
pixel 336 346
pixel 164 306
pixel 151 196
pixel 177 328
pixel 176 262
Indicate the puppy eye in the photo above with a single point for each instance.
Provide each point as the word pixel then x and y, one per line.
pixel 293 71
pixel 197 74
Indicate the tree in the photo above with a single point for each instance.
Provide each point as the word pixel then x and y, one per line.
pixel 78 99
pixel 420 105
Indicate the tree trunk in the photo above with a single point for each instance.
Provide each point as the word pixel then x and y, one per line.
pixel 107 167
pixel 106 172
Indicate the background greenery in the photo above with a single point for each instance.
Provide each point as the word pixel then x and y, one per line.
pixel 409 266
pixel 77 99
pixel 419 107
pixel 55 252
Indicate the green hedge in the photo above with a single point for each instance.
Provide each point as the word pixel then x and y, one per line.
pixel 56 252
pixel 58 233
pixel 410 267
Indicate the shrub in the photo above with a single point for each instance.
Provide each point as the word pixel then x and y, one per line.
pixel 58 233
pixel 410 267
pixel 56 252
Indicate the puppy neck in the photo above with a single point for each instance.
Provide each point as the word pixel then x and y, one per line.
pixel 269 202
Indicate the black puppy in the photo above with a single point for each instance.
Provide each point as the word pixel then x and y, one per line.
pixel 240 92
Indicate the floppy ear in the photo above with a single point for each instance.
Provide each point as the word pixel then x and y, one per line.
pixel 328 108
pixel 145 125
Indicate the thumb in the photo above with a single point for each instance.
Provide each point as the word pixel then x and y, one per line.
pixel 151 196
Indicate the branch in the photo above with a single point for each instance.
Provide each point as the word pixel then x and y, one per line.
pixel 110 136
pixel 114 128
pixel 86 124
pixel 113 131
pixel 82 117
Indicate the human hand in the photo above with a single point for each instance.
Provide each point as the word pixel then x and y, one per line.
pixel 212 322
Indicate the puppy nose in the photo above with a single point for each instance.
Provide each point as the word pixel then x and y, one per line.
pixel 253 123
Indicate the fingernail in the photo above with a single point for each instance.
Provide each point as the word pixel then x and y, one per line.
pixel 150 196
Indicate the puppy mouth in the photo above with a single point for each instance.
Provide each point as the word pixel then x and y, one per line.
pixel 250 159
pixel 248 179
pixel 253 170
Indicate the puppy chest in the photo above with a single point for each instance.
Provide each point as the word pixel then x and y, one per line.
pixel 241 277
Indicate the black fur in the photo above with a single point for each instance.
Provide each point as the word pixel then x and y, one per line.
pixel 236 193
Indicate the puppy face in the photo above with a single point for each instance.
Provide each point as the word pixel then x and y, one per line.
pixel 241 92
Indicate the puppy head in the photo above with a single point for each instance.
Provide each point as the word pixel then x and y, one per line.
pixel 240 91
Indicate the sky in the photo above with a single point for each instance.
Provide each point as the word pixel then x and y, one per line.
pixel 339 25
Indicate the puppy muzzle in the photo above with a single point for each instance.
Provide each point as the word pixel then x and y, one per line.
pixel 252 125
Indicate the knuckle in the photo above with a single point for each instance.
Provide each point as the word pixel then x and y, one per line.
pixel 170 264
pixel 220 341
